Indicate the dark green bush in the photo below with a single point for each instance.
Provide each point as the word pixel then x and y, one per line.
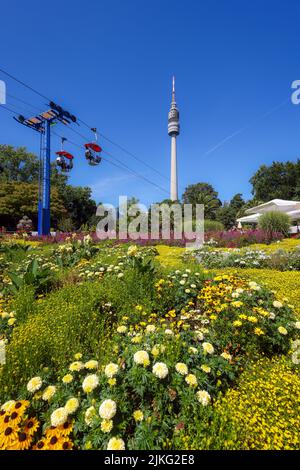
pixel 275 222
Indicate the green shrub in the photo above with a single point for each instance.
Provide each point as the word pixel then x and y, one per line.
pixel 275 222
pixel 213 226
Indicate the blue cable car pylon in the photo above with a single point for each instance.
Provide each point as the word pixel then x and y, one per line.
pixel 42 124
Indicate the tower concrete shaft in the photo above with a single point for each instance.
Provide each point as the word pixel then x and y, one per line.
pixel 173 131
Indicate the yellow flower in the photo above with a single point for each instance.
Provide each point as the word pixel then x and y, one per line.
pixel 138 415
pixel 49 392
pixel 112 382
pixel 181 368
pixel 282 330
pixel 72 405
pixel 122 329
pixel 111 369
pixel 252 319
pixel 76 366
pixel 106 425
pixel 116 444
pixel 90 383
pixel 67 378
pixel 59 417
pixel 205 368
pixel 203 397
pixel 258 331
pixel 91 364
pixel 77 356
pixel 237 323
pixel 191 380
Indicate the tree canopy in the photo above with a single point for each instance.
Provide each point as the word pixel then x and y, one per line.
pixel 280 180
pixel 19 171
pixel 203 193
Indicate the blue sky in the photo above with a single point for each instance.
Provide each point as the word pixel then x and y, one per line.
pixel 110 62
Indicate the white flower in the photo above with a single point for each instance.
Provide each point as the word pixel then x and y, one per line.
pixel 203 397
pixel 72 405
pixel 297 325
pixel 296 344
pixel 277 304
pixel 182 282
pixel 58 417
pixel 111 370
pixel 141 358
pixel 34 384
pixel 193 350
pixel 150 328
pixel 107 409
pixel 7 406
pixel 199 335
pixel 120 275
pixel 90 383
pixel 272 315
pixel 49 392
pixel 169 332
pixel 116 444
pixel 296 357
pixel 181 368
pixel 160 370
pixel 89 415
pixel 208 348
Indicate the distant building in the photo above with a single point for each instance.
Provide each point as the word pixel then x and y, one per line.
pixel 173 131
pixel 291 208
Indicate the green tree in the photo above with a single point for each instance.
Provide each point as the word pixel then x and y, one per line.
pixel 275 222
pixel 78 203
pixel 229 212
pixel 281 180
pixel 203 193
pixel 19 199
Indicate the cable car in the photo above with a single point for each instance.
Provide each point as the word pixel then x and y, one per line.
pixel 64 159
pixel 93 150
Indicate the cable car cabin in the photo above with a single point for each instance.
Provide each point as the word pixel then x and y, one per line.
pixel 64 160
pixel 92 153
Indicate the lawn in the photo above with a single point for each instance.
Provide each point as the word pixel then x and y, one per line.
pixel 113 347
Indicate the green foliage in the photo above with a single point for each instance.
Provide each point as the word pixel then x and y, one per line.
pixel 203 193
pixel 212 225
pixel 279 180
pixel 275 222
pixel 41 278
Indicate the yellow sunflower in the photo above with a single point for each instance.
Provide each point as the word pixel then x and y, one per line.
pixel 31 426
pixel 8 437
pixel 23 442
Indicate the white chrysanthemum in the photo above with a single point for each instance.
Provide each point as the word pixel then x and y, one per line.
pixel 72 405
pixel 282 330
pixel 150 328
pixel 107 409
pixel 199 335
pixel 89 415
pixel 203 397
pixel 111 370
pixel 49 392
pixel 193 350
pixel 122 329
pixel 296 357
pixel 59 417
pixel 92 364
pixel 296 344
pixel 141 358
pixel 76 366
pixel 208 348
pixel 8 405
pixel 277 304
pixel 226 356
pixel 160 369
pixel 90 383
pixel 297 325
pixel 181 368
pixel 169 332
pixel 34 384
pixel 116 444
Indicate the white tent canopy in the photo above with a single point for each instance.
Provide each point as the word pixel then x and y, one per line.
pixel 291 208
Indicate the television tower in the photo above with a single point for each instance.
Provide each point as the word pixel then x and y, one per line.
pixel 173 131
